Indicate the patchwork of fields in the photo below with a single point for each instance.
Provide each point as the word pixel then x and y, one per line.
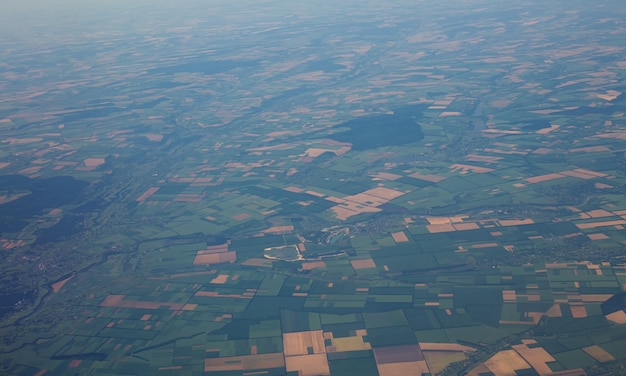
pixel 298 189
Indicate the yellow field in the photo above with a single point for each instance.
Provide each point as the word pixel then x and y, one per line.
pixel 599 354
pixel 438 360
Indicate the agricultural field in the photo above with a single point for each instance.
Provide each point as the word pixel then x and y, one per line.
pixel 285 188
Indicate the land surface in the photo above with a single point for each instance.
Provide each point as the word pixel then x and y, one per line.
pixel 317 188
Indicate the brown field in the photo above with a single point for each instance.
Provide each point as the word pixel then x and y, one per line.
pixel 509 295
pixel 546 177
pixel 215 254
pixel 449 113
pixel 578 310
pixel 215 258
pixel 220 279
pixel 363 264
pixel 243 363
pixel 215 294
pixel 241 217
pixel 119 302
pixel 537 357
pixel 598 236
pixel 316 194
pixel 313 265
pixel 577 174
pixel 589 225
pixel 94 162
pixel 10 244
pixel 400 360
pixel 144 196
pixel 308 365
pixel 387 194
pixel 298 343
pixel 336 200
pixel 595 298
pixel 438 220
pixel 294 189
pixel 364 202
pixel 599 213
pixel 542 151
pixel 56 287
pixel 506 363
pixel 351 209
pixel 602 186
pixel 589 172
pixel 30 170
pixel 618 317
pixel 548 130
pixel 610 95
pixel 427 177
pixel 440 228
pixel 399 237
pixel 278 229
pixel 599 354
pixel 316 152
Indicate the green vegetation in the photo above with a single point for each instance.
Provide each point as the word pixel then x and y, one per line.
pixel 231 197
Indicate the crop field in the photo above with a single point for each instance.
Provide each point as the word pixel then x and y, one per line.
pixel 284 189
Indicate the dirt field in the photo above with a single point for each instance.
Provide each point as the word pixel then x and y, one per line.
pixel 94 162
pixel 144 196
pixel 546 177
pixel 56 287
pixel 214 258
pixel 537 357
pixel 298 343
pixel 363 264
pixel 399 237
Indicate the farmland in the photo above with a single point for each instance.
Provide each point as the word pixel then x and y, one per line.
pixel 294 189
